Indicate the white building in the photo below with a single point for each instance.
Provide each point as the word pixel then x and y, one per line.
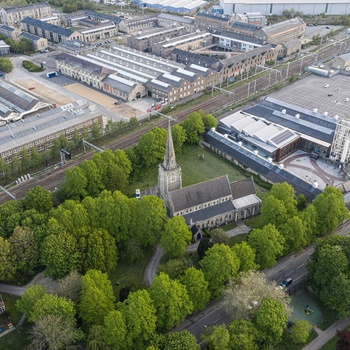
pixel 276 7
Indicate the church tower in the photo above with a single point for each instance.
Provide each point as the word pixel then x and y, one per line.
pixel 169 172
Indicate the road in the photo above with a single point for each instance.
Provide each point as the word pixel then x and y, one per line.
pixel 293 265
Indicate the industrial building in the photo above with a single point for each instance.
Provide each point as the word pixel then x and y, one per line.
pixel 276 7
pixel 73 47
pixel 168 20
pixel 10 32
pixel 234 42
pixel 15 103
pixel 342 62
pixel 213 21
pixel 140 72
pixel 38 42
pixel 144 40
pixel 12 16
pixel 42 129
pixel 137 24
pixel 98 32
pixel 181 6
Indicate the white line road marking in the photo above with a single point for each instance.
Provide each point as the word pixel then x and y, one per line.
pixel 300 266
pixel 289 273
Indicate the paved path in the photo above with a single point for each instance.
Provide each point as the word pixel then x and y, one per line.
pixel 327 335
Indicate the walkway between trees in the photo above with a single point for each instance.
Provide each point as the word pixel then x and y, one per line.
pixel 328 334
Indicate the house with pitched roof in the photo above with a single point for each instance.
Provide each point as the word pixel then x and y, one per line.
pixel 207 204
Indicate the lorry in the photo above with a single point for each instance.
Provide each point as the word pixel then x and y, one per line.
pixel 51 74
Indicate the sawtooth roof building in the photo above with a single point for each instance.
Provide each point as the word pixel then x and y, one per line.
pixel 180 6
pixel 276 7
pixel 42 129
pixel 16 104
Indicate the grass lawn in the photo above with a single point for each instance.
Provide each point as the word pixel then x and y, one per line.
pixel 286 344
pixel 328 319
pixel 195 169
pixel 10 301
pixel 237 239
pixel 129 274
pixel 16 340
pixel 228 227
pixel 254 222
pixel 331 344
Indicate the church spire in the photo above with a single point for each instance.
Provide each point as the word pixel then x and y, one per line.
pixel 169 157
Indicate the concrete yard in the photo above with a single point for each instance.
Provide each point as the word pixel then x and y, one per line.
pixel 44 91
pixel 311 92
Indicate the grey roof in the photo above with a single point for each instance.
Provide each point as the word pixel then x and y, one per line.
pixel 283 26
pixel 213 16
pixel 111 18
pixel 7 28
pixel 249 27
pixel 15 99
pixel 309 123
pixel 243 188
pixel 184 76
pixel 82 64
pixel 151 85
pixel 345 57
pixel 132 21
pixel 118 85
pixel 239 37
pixel 200 193
pixel 25 7
pixel 176 18
pixel 30 36
pixel 74 44
pixel 292 43
pixel 201 60
pixel 48 26
pixel 270 171
pixel 209 212
pixel 246 55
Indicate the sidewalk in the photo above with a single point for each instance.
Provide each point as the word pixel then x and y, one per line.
pixel 327 335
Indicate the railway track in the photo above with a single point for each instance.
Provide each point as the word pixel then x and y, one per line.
pixel 51 179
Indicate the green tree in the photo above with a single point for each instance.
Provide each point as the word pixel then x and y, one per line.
pixel 270 320
pixel 243 299
pixel 294 234
pixel 171 301
pixel 101 251
pixel 268 245
pixel 179 137
pixel 219 265
pixel 336 295
pixel 51 304
pixel 96 338
pixel 30 297
pixel 326 263
pixel 94 178
pixel 7 261
pixel 53 332
pixel 331 210
pixel 217 337
pixel 176 341
pixel 300 331
pixel 194 127
pixel 25 249
pixel 10 217
pixel 273 211
pixel 5 65
pixel 97 298
pixel 197 287
pixel 175 267
pixel 209 121
pixel 219 236
pixel 246 256
pixel 70 286
pixel 60 255
pixel 151 147
pixel 243 335
pixel 38 198
pixel 286 194
pixel 204 244
pixel 175 237
pixel 115 331
pixel 309 218
pixel 140 317
pixel 76 183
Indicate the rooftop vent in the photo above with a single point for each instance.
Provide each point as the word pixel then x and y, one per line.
pixel 315 110
pixel 280 166
pixel 315 184
pixel 284 111
pixel 212 129
pixel 336 117
pixel 297 116
pixel 325 114
pixel 226 136
pixel 269 160
pixel 240 143
pixel 256 152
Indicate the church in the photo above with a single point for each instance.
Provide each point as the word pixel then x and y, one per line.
pixel 207 204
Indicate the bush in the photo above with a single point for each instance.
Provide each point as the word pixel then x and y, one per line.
pixel 31 67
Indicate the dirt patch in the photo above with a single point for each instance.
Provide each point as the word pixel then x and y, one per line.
pixel 106 101
pixel 44 91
